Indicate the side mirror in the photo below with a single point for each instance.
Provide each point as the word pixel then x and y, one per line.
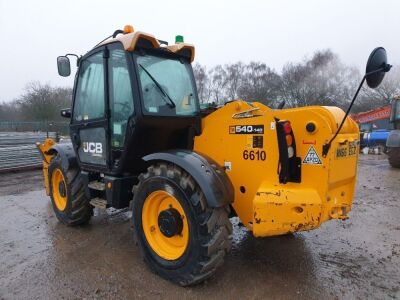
pixel 377 66
pixel 64 66
pixel 66 113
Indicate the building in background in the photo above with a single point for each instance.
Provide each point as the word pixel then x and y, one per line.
pixel 374 119
pixel 375 127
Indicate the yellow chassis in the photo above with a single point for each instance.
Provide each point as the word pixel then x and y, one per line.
pixel 264 205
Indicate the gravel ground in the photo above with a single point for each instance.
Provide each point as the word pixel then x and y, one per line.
pixel 354 259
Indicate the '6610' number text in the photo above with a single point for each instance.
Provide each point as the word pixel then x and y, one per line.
pixel 254 155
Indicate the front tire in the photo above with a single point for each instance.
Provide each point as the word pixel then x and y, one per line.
pixel 180 237
pixel 394 157
pixel 67 193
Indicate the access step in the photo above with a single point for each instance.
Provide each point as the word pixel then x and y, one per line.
pixel 99 203
pixel 97 185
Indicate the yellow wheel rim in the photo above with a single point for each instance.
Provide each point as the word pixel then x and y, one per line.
pixel 169 248
pixel 59 189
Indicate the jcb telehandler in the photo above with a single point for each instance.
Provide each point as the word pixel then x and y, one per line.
pixel 139 139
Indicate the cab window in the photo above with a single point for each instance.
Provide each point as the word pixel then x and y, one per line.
pixel 121 99
pixel 89 97
pixel 167 86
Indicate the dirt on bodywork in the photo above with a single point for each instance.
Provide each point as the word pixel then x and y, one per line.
pixel 357 258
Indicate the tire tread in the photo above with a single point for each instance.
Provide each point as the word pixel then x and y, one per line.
pixel 394 157
pixel 215 228
pixel 80 210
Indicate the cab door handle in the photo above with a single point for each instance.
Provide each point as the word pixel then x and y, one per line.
pixel 76 139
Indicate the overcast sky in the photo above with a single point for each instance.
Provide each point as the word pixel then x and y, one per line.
pixel 34 33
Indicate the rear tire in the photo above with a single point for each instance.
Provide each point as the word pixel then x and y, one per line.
pixel 70 203
pixel 394 157
pixel 209 229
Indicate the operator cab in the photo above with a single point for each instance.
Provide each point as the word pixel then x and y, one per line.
pixel 132 97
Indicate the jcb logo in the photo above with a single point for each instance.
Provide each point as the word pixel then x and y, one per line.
pixel 91 147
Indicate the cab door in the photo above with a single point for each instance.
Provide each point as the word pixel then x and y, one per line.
pixel 89 123
pixel 121 99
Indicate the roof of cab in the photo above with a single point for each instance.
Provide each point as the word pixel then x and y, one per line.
pixel 130 40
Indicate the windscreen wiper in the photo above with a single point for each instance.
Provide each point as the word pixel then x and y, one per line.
pixel 170 103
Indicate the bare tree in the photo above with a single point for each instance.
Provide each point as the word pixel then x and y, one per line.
pixel 234 79
pixel 217 83
pixel 260 83
pixel 41 102
pixel 9 111
pixel 200 75
pixel 321 80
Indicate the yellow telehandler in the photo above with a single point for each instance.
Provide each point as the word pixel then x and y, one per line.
pixel 139 139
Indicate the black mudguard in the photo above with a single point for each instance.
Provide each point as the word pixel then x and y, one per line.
pixel 211 177
pixel 67 153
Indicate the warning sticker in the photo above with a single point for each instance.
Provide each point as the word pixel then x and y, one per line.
pixel 312 157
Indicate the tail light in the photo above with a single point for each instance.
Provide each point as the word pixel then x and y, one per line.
pixel 287 129
pixel 289 166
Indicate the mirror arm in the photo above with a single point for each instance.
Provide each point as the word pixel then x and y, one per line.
pixel 326 147
pixel 78 58
pixel 384 68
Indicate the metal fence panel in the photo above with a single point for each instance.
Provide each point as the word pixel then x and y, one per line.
pixel 18 149
pixel 21 126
